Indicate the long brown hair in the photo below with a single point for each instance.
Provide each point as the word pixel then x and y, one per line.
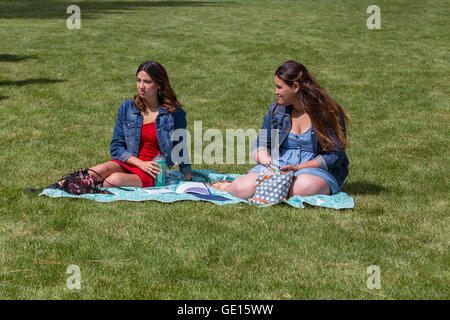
pixel 324 111
pixel 166 96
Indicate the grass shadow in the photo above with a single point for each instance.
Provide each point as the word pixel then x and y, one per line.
pixel 15 58
pixel 21 83
pixel 3 98
pixel 360 188
pixel 43 9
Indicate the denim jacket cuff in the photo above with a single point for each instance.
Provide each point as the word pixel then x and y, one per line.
pixel 322 163
pixel 124 157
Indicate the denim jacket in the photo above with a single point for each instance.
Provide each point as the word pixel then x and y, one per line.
pixel 127 134
pixel 279 118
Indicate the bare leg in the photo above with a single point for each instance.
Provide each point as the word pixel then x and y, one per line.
pixel 104 169
pixel 307 185
pixel 120 179
pixel 244 187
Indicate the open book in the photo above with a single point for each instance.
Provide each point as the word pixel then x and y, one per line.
pixel 193 187
pixel 197 189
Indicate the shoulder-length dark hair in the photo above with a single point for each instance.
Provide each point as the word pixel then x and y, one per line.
pixel 324 111
pixel 167 97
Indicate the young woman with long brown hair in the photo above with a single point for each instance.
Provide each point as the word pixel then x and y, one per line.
pixel 310 137
pixel 144 128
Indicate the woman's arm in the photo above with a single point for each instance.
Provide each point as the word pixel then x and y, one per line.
pixel 263 141
pixel 263 157
pixel 308 164
pixel 118 148
pixel 263 145
pixel 152 168
pixel 332 158
pixel 181 123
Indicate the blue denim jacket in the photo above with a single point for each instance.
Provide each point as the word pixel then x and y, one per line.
pixel 170 131
pixel 279 118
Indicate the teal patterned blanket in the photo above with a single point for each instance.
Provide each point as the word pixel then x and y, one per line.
pixel 174 179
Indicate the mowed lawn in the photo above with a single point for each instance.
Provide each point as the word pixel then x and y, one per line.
pixel 59 94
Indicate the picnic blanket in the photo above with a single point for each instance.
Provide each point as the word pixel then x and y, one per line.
pixel 174 179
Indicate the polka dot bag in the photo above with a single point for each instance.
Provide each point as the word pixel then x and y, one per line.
pixel 272 187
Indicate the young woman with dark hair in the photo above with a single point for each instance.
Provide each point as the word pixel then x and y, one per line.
pixel 144 128
pixel 310 137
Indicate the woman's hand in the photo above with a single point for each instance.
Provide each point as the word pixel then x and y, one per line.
pixel 263 157
pixel 290 167
pixel 152 168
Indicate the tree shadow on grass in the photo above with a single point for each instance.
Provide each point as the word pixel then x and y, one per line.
pixel 42 9
pixel 20 83
pixel 362 188
pixel 15 58
pixel 3 98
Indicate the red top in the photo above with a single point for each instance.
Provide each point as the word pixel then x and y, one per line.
pixel 148 146
pixel 148 149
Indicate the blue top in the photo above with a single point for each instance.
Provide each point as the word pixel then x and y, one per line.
pixel 170 131
pixel 296 149
pixel 275 129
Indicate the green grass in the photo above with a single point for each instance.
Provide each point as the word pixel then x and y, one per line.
pixel 59 94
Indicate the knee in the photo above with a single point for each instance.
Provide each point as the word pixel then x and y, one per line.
pixel 305 185
pixel 243 187
pixel 300 189
pixel 112 180
pixel 240 191
pixel 100 170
